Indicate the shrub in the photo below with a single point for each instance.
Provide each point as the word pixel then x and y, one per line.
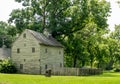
pixel 117 70
pixel 6 66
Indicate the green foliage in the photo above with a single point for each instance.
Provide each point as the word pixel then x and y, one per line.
pixel 117 70
pixel 6 66
pixel 84 47
pixel 114 46
pixel 78 24
pixel 57 15
pixel 87 47
pixel 7 34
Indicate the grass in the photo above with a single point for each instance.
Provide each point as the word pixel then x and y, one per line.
pixel 106 78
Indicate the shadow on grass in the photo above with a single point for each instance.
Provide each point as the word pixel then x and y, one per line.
pixel 110 74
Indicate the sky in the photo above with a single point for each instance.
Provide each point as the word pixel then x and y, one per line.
pixel 115 15
pixel 6 7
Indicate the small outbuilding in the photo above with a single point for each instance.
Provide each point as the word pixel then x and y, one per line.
pixel 35 53
pixel 5 53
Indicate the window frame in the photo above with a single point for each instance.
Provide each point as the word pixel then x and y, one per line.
pixel 59 52
pixel 33 49
pixel 21 66
pixel 24 35
pixel 24 60
pixel 61 65
pixel 46 66
pixel 46 50
pixel 18 50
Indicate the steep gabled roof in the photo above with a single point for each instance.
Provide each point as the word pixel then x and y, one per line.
pixel 44 39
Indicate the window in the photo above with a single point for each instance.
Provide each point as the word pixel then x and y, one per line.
pixel 18 50
pixel 33 50
pixel 45 66
pixel 21 66
pixel 24 35
pixel 46 50
pixel 24 60
pixel 60 64
pixel 59 52
pixel 24 44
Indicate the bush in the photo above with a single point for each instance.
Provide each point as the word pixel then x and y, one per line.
pixel 6 66
pixel 117 70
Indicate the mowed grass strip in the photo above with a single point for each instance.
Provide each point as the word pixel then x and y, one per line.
pixel 106 78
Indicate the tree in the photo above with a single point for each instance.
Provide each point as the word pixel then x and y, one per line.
pixel 68 21
pixel 116 34
pixel 7 33
pixel 114 45
pixel 57 15
pixel 86 52
pixel 38 15
pixel 75 50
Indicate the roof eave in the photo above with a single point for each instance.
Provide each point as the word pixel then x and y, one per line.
pixel 51 45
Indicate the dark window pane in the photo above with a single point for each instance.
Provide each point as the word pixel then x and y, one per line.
pixel 46 50
pixel 24 60
pixel 45 66
pixel 25 44
pixel 33 50
pixel 24 35
pixel 18 50
pixel 59 52
pixel 60 64
pixel 21 66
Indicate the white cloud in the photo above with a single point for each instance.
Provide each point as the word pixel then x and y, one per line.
pixel 6 7
pixel 115 15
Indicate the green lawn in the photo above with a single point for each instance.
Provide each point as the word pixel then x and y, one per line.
pixel 106 78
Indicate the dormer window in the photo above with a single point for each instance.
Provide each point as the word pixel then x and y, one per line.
pixel 24 35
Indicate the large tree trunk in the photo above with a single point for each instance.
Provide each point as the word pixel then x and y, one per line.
pixel 74 61
pixel 44 18
pixel 109 65
pixel 83 63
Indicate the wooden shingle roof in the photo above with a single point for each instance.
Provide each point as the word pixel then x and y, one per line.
pixel 45 40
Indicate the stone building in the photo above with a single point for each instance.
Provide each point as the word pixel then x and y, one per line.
pixel 34 53
pixel 5 53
